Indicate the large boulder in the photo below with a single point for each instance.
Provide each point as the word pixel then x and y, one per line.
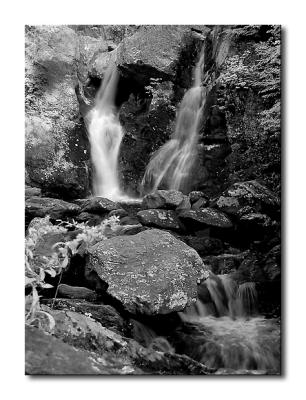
pixel 149 273
pixel 165 219
pixel 156 51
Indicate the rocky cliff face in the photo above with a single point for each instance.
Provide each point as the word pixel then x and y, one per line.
pixel 240 128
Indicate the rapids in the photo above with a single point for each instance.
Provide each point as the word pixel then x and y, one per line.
pixel 225 331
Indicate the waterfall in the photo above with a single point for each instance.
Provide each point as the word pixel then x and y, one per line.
pixel 226 331
pixel 170 166
pixel 105 136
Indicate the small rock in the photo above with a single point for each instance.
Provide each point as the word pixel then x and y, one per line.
pixel 201 203
pixel 195 196
pixel 169 199
pixel 205 217
pixel 99 205
pixel 166 219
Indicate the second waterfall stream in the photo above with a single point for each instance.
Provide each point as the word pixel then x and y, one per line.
pixel 170 166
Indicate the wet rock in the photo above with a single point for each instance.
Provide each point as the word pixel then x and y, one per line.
pixel 250 270
pixel 149 273
pixel 249 193
pixel 76 292
pixel 55 208
pixel 169 199
pixel 255 220
pixel 184 205
pixel 205 217
pixel 120 213
pixel 195 196
pixel 201 203
pixel 205 245
pixel 141 57
pixel 225 263
pixel 272 264
pixel 131 229
pixel 129 220
pixel 47 355
pixel 165 219
pixel 99 205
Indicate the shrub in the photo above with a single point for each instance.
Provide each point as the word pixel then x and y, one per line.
pixel 35 273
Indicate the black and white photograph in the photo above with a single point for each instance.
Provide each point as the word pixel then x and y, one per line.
pixel 153 200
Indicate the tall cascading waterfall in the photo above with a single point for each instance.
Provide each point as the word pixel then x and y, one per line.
pixel 227 332
pixel 171 165
pixel 105 136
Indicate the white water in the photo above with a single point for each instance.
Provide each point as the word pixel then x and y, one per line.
pixel 228 333
pixel 105 136
pixel 172 163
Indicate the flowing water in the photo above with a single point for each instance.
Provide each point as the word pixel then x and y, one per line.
pixel 226 331
pixel 105 136
pixel 170 166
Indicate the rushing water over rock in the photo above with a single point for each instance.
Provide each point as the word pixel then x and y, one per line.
pixel 170 166
pixel 225 331
pixel 105 135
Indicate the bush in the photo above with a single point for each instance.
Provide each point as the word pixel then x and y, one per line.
pixel 35 273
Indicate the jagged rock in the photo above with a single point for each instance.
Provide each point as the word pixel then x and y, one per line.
pixel 205 217
pixel 165 219
pixel 141 57
pixel 255 220
pixel 225 263
pixel 99 205
pixel 250 193
pixel 184 205
pixel 149 273
pixel 201 203
pixel 47 355
pixel 169 199
pixel 195 196
pixel 55 208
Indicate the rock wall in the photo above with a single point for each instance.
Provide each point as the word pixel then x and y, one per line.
pixel 240 128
